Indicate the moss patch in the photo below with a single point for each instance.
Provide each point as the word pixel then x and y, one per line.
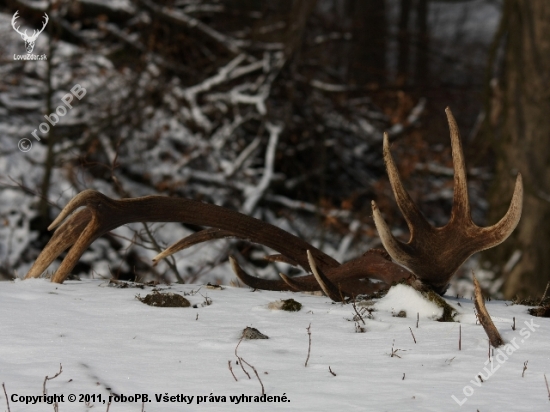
pixel 290 305
pixel 541 311
pixel 449 312
pixel 253 333
pixel 164 300
pixel 542 308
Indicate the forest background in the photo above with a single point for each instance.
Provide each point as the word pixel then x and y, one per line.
pixel 275 109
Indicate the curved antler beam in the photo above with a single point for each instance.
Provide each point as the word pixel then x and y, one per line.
pixel 374 264
pixel 103 214
pixel 434 254
pixel 337 284
pixel 349 279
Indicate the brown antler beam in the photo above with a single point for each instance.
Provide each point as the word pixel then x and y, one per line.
pixel 103 214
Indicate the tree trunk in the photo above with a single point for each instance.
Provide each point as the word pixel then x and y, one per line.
pixel 519 124
pixel 368 55
pixel 422 45
pixel 403 41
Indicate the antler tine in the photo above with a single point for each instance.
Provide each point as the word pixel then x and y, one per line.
pixel 461 203
pixel 416 222
pixel 65 236
pixel 499 232
pixel 213 234
pixel 411 213
pixel 257 283
pixel 194 239
pixel 399 251
pixel 90 233
pixel 81 199
pixel 326 285
pixel 295 285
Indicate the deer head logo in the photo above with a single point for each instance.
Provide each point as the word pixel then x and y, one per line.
pixel 29 40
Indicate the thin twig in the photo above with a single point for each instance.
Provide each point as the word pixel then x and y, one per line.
pixel 330 370
pixel 417 319
pixel 231 370
pixel 524 368
pixel 240 359
pixel 459 337
pixel 514 325
pixel 394 351
pixel 412 334
pixel 357 312
pixel 309 347
pixel 256 372
pixel 544 294
pixel 8 401
pixel 47 378
pixel 547 387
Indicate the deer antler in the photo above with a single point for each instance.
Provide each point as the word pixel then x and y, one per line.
pixel 434 254
pixel 102 214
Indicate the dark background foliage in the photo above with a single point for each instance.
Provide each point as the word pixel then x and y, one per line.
pixel 273 108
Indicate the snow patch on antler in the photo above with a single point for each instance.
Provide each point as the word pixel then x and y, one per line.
pixel 405 298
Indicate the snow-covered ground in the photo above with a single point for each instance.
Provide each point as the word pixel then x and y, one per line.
pixel 108 341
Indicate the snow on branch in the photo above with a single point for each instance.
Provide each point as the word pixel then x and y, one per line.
pixel 253 195
pixel 178 16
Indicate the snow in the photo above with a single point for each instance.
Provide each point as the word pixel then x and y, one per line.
pixel 105 338
pixel 404 298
